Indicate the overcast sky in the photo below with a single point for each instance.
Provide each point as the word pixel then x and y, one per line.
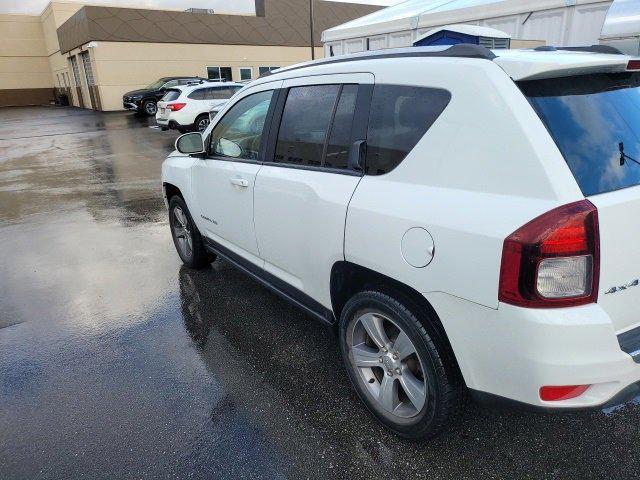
pixel 35 7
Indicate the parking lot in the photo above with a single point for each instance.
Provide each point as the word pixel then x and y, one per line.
pixel 117 362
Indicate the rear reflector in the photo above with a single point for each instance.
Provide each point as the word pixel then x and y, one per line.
pixel 564 392
pixel 633 65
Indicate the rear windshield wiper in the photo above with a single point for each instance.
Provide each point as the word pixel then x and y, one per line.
pixel 624 156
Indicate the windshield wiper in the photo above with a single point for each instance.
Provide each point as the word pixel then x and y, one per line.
pixel 624 156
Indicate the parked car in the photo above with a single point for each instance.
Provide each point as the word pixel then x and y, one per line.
pixel 145 100
pixel 187 108
pixel 465 219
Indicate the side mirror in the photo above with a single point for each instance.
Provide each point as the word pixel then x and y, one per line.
pixel 190 143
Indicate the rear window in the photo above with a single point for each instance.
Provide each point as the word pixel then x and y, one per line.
pixel 595 121
pixel 399 117
pixel 171 95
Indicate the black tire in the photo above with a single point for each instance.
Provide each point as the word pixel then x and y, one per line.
pixel 441 379
pixel 149 107
pixel 197 255
pixel 204 118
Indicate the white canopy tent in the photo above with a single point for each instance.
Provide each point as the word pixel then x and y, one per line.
pixel 554 22
pixel 621 27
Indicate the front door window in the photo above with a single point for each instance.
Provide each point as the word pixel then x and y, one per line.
pixel 239 133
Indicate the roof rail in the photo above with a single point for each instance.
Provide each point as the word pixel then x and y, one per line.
pixel 461 50
pixel 608 49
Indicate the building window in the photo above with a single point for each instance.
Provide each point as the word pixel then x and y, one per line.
pixel 246 73
pixel 76 71
pixel 86 63
pixel 221 74
pixel 263 70
pixel 331 52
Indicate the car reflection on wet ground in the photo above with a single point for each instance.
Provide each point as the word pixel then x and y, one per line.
pixel 117 362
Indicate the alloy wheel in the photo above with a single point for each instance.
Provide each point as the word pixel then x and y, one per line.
pixel 387 364
pixel 182 232
pixel 150 108
pixel 203 123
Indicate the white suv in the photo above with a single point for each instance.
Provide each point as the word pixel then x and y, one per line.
pixel 465 218
pixel 187 108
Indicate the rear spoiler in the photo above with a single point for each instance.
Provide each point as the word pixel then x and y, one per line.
pixel 564 64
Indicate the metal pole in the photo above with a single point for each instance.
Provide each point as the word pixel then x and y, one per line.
pixel 313 53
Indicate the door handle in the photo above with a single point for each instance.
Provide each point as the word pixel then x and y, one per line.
pixel 239 182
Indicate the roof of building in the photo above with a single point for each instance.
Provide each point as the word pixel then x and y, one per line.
pixel 277 22
pixel 413 14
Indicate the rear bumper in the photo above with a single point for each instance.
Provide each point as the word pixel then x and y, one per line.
pixel 171 124
pixel 511 352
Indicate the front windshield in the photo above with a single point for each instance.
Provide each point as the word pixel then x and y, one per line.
pixel 595 121
pixel 156 85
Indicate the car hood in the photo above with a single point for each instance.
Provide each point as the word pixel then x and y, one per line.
pixel 139 92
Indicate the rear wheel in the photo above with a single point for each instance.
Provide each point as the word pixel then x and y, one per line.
pixel 201 123
pixel 398 368
pixel 149 107
pixel 186 237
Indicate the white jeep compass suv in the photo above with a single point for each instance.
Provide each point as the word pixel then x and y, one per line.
pixel 467 219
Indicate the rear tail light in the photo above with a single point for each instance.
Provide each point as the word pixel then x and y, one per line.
pixel 554 260
pixel 174 107
pixel 564 392
pixel 633 65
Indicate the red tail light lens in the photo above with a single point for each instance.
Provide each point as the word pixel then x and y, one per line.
pixel 565 392
pixel 174 107
pixel 554 260
pixel 633 65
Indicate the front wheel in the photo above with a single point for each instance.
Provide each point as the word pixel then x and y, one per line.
pixel 400 369
pixel 186 237
pixel 149 107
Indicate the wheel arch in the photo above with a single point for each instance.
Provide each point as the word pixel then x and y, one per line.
pixel 347 279
pixel 170 190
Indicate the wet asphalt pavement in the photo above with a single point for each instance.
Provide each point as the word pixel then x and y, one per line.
pixel 116 362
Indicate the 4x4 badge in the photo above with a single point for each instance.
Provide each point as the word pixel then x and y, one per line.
pixel 623 287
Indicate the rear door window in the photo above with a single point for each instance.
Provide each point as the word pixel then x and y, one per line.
pixel 221 93
pixel 337 153
pixel 399 117
pixel 305 121
pixel 198 94
pixel 595 122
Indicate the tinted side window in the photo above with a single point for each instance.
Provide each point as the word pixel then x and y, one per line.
pixel 171 83
pixel 171 95
pixel 305 120
pixel 221 93
pixel 337 154
pixel 399 117
pixel 197 94
pixel 239 133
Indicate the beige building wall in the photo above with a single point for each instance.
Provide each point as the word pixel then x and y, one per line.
pixel 25 76
pixel 519 43
pixel 119 67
